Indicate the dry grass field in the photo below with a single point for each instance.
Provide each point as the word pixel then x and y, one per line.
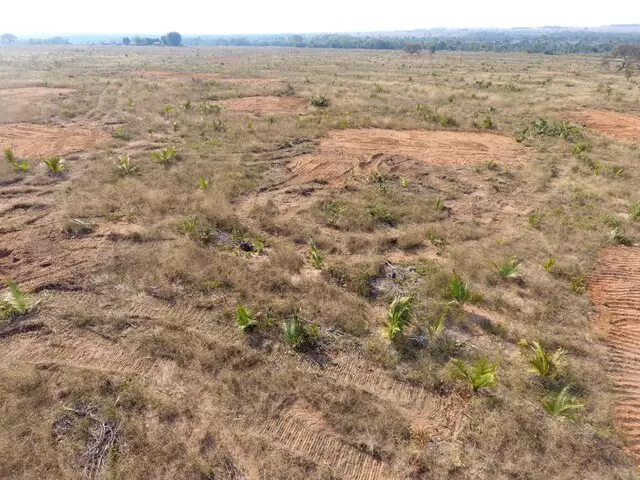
pixel 494 196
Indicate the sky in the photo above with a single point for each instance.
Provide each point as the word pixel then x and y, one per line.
pixel 41 17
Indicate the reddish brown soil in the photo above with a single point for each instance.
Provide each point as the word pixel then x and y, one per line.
pixel 31 140
pixel 345 154
pixel 615 292
pixel 266 105
pixel 30 93
pixel 614 124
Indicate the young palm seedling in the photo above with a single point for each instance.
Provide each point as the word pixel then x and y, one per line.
pixel 548 264
pixel 9 156
pixel 510 268
pixel 481 374
pixel 398 317
pixel 15 302
pixel 125 167
pixel 244 319
pixel 315 256
pixel 457 290
pixel 165 156
pixel 561 403
pixel 541 362
pixel 436 327
pixel 295 334
pixel 203 183
pixel 54 164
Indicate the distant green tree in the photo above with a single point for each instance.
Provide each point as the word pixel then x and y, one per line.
pixel 412 48
pixel 8 38
pixel 298 40
pixel 628 53
pixel 174 39
pixel 126 41
pixel 164 39
pixel 138 40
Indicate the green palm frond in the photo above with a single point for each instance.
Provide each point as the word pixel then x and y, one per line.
pixel 398 317
pixel 480 374
pixel 561 403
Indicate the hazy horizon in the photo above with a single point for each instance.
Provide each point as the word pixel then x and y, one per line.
pixel 191 17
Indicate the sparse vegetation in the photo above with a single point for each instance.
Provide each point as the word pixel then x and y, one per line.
pixel 165 156
pixel 244 319
pixel 542 363
pixel 478 375
pixel 321 101
pixel 125 167
pixel 398 317
pixel 15 303
pixel 561 403
pixel 315 256
pixel 54 164
pixel 149 275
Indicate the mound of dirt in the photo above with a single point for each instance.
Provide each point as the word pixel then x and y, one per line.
pixel 159 75
pixel 345 154
pixel 29 93
pixel 266 105
pixel 31 140
pixel 615 293
pixel 614 124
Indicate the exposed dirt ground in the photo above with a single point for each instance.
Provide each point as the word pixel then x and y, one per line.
pixel 346 153
pixel 614 124
pixel 615 292
pixel 267 105
pixel 32 93
pixel 30 140
pixel 137 274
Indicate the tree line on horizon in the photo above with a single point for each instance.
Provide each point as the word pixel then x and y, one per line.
pixel 552 42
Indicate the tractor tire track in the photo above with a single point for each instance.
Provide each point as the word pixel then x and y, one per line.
pixel 615 293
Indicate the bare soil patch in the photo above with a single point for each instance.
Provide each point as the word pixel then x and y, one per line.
pixel 31 140
pixel 348 153
pixel 266 105
pixel 614 124
pixel 615 292
pixel 30 93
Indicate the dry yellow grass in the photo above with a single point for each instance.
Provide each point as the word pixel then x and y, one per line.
pixel 132 365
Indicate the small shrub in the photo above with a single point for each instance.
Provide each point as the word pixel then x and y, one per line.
pixel 380 181
pixel 535 220
pixel 203 183
pixel 398 317
pixel 125 167
pixel 436 327
pixel 121 134
pixel 75 227
pixel 9 156
pixel 54 164
pixel 315 256
pixel 296 334
pixel 15 303
pixel 244 319
pixel 22 166
pixel 561 403
pixel 618 236
pixel 542 363
pixel 480 374
pixel 187 105
pixel 165 156
pixel 321 101
pixel 457 290
pixel 634 211
pixel 548 264
pixel 578 283
pixel 510 268
pixel 209 108
pixel 382 215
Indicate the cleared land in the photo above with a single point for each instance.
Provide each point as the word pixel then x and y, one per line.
pixel 615 290
pixel 194 183
pixel 614 124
